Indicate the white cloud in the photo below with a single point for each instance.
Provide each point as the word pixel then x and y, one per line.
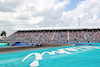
pixel 85 10
pixel 47 13
pixel 9 5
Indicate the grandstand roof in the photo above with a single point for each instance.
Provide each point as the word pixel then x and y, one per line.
pixel 56 28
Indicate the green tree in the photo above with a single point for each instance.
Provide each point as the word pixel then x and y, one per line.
pixel 3 33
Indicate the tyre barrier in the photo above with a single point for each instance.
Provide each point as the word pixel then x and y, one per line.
pixel 3 42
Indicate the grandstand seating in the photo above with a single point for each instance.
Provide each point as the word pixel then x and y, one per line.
pixel 57 36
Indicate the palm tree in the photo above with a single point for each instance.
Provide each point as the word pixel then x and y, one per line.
pixel 3 33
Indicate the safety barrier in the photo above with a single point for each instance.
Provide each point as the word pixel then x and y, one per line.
pixel 8 44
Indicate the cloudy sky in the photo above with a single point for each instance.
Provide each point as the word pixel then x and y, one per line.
pixel 48 13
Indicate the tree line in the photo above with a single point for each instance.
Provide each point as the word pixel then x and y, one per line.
pixel 3 33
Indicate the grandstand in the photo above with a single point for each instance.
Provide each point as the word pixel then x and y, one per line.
pixel 56 35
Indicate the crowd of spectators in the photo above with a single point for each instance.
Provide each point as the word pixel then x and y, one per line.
pixel 57 36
